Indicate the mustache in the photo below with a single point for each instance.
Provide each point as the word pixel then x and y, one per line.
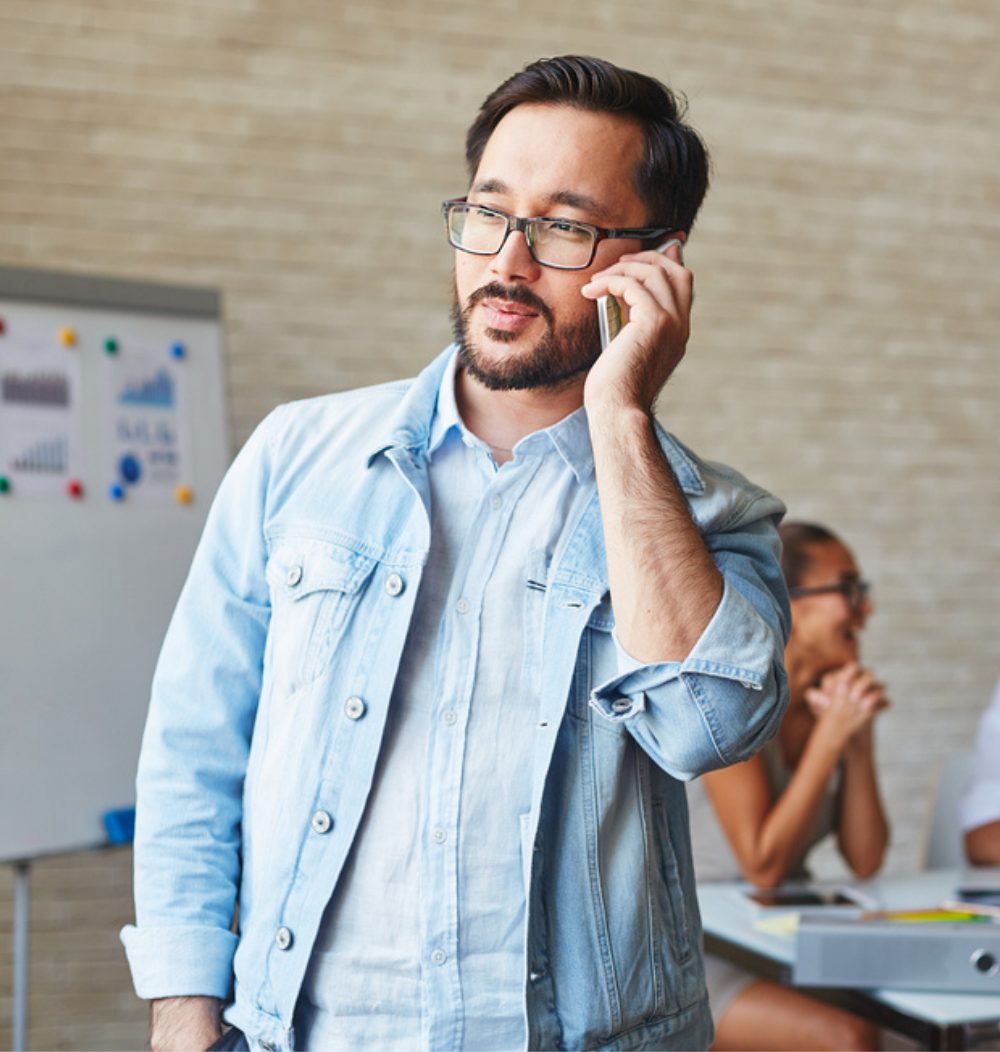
pixel 514 294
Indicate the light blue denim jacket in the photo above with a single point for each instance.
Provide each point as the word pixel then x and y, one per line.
pixel 270 701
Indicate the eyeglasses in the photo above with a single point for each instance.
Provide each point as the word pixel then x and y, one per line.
pixel 560 243
pixel 853 589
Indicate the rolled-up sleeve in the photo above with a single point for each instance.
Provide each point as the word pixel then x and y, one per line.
pixel 726 698
pixel 195 748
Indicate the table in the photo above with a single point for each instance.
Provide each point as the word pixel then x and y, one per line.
pixel 938 1021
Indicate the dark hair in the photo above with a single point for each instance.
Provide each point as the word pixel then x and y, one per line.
pixel 796 538
pixel 672 178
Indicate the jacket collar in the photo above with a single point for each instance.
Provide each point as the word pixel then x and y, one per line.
pixel 412 427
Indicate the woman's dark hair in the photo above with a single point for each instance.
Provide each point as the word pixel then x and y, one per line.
pixel 796 538
pixel 673 176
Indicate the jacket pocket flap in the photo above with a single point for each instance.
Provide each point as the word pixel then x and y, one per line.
pixel 300 568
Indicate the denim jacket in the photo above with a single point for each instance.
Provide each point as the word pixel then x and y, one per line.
pixel 270 701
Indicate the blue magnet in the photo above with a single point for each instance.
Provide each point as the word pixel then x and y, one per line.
pixel 116 491
pixel 120 825
pixel 129 468
pixel 178 350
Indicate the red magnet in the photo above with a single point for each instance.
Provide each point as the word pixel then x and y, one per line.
pixel 74 489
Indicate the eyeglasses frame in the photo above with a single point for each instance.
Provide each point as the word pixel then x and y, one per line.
pixel 860 587
pixel 520 223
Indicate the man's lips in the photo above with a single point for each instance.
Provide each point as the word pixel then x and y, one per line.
pixel 508 315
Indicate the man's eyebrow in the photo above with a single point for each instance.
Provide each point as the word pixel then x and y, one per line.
pixel 570 198
pixel 582 202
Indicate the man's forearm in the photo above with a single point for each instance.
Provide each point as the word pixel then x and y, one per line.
pixel 664 585
pixel 184 1023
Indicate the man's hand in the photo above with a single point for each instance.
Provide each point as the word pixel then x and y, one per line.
pixel 658 292
pixel 183 1024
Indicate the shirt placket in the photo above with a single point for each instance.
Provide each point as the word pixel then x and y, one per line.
pixel 443 1027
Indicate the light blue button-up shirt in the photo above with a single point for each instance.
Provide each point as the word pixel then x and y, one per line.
pixel 271 708
pixel 426 933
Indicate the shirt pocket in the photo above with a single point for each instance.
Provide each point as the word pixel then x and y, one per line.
pixel 315 587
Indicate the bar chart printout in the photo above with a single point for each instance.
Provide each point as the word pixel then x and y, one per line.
pixel 150 439
pixel 40 418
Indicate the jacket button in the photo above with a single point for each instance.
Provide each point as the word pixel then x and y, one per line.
pixel 267 1046
pixel 293 576
pixel 321 822
pixel 621 705
pixel 354 707
pixel 394 584
pixel 283 938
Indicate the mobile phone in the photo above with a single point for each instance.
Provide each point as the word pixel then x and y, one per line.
pixel 609 311
pixel 609 318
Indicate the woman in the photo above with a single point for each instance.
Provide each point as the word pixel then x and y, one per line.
pixel 757 820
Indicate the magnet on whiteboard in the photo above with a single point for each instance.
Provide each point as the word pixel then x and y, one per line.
pixel 67 336
pixel 3 326
pixel 184 494
pixel 178 350
pixel 74 489
pixel 4 484
pixel 116 491
pixel 129 468
pixel 111 345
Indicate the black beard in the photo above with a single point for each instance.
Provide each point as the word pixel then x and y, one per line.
pixel 559 356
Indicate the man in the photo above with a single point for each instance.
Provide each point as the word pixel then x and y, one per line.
pixel 979 808
pixel 449 648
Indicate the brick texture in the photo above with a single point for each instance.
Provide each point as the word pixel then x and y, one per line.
pixel 294 155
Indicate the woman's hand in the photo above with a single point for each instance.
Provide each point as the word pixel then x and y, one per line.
pixel 844 704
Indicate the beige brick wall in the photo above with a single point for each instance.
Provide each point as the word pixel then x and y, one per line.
pixel 846 326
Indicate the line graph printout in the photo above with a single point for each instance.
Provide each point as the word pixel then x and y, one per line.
pixel 151 434
pixel 40 417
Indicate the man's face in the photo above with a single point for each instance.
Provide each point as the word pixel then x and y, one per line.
pixel 518 324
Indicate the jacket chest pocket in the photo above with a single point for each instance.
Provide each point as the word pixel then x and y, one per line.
pixel 315 587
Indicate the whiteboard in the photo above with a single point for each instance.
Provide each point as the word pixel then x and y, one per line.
pixel 113 440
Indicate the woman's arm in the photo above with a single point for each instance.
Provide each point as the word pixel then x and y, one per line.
pixel 863 832
pixel 767 835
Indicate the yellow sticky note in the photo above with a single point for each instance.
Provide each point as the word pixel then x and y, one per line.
pixel 783 924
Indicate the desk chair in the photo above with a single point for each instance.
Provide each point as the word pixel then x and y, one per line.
pixel 945 848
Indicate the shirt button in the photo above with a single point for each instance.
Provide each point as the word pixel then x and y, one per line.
pixel 440 836
pixel 439 957
pixel 496 503
pixel 293 576
pixel 283 938
pixel 462 606
pixel 450 716
pixel 321 822
pixel 535 974
pixel 621 705
pixel 354 707
pixel 394 584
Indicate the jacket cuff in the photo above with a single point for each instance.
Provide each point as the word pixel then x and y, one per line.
pixel 180 961
pixel 736 644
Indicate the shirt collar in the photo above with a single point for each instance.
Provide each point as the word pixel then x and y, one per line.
pixel 570 436
pixel 429 412
pixel 446 414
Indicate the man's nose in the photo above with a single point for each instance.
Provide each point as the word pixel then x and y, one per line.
pixel 514 261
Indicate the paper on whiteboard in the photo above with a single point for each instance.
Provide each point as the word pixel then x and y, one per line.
pixel 40 417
